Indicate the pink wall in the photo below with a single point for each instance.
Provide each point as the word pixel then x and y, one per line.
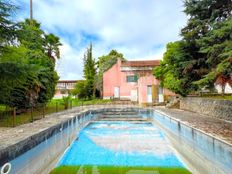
pixel 125 87
pixel 111 79
pixel 169 93
pixel 143 82
pixel 114 77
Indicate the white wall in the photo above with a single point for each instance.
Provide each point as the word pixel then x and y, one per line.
pixel 228 89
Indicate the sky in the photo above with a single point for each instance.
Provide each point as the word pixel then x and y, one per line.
pixel 139 29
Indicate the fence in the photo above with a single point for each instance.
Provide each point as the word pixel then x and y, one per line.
pixel 11 117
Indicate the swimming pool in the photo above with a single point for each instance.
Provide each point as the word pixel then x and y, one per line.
pixel 120 140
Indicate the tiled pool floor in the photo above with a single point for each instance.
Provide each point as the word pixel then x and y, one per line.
pixel 120 147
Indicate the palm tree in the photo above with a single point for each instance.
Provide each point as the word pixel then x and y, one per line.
pixel 52 44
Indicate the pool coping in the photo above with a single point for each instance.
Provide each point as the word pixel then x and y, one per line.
pixel 196 129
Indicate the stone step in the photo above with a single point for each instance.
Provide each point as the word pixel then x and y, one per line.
pixel 119 116
pixel 119 113
pixel 123 119
pixel 132 121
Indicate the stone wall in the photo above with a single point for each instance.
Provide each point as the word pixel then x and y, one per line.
pixel 215 108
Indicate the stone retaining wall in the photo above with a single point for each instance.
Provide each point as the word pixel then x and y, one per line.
pixel 214 108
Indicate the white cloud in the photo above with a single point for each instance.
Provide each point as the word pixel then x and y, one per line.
pixel 139 29
pixel 70 65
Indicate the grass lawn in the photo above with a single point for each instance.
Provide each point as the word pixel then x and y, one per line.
pixel 226 97
pixel 118 170
pixel 55 105
pixel 6 116
pixel 91 102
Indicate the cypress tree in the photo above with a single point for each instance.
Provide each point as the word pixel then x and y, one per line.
pixel 90 72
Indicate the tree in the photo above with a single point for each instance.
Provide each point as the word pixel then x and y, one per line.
pixel 28 75
pixel 217 45
pixel 207 34
pixel 33 38
pixel 31 35
pixel 7 27
pixel 104 63
pixel 90 72
pixel 80 90
pixel 51 46
pixel 174 69
pixel 26 81
pixel 207 41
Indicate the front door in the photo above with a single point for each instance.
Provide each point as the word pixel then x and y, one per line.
pixel 116 92
pixel 134 95
pixel 149 94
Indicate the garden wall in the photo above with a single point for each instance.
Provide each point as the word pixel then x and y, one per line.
pixel 211 107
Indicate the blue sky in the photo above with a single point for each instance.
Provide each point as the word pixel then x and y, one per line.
pixel 140 29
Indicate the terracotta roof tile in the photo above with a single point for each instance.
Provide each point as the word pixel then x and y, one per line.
pixel 68 81
pixel 145 63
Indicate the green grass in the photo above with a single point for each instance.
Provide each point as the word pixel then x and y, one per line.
pixel 55 105
pixel 2 107
pixel 76 102
pixel 219 97
pixel 6 116
pixel 117 170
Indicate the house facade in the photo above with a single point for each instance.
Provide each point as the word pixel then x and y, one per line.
pixel 133 80
pixel 63 87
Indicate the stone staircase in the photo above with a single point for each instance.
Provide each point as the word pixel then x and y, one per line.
pixel 120 116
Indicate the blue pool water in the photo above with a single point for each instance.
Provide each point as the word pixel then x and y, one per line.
pixel 121 144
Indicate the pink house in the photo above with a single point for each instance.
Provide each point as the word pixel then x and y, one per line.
pixel 133 80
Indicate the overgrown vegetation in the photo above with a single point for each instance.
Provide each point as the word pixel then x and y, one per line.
pixel 203 56
pixel 27 61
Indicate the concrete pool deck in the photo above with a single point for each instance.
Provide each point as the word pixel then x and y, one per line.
pixel 12 136
pixel 218 128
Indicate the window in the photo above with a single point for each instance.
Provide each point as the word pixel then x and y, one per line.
pixel 132 78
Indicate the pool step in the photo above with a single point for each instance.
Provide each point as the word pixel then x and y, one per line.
pixel 122 116
pixel 119 113
pixel 124 119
